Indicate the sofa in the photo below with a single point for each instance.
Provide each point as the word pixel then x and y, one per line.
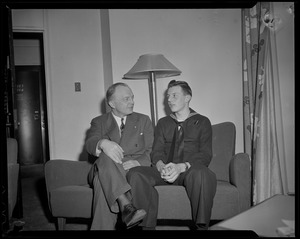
pixel 70 196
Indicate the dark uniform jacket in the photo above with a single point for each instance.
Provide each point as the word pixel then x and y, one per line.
pixel 197 139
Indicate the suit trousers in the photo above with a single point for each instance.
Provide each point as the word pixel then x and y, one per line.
pixel 200 184
pixel 108 180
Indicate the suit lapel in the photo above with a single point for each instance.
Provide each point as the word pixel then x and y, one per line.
pixel 113 129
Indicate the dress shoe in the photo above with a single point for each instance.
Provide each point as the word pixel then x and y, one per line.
pixel 132 216
pixel 148 228
pixel 201 227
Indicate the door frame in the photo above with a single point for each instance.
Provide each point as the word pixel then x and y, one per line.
pixel 43 93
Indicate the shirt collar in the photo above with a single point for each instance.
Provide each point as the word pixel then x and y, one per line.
pixel 118 119
pixel 192 113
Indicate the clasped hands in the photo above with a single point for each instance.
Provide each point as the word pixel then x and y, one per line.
pixel 115 152
pixel 170 172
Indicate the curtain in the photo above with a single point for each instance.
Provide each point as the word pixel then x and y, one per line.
pixel 262 112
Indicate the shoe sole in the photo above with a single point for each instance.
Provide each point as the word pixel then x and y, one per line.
pixel 138 217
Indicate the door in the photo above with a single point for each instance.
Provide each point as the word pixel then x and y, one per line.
pixel 29 115
pixel 30 98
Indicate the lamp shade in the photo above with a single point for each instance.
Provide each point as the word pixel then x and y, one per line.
pixel 152 63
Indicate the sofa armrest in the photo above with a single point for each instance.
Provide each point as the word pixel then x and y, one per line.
pixel 12 150
pixel 12 176
pixel 240 176
pixel 59 173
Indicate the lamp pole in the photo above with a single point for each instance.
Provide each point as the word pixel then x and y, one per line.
pixel 153 97
pixel 152 66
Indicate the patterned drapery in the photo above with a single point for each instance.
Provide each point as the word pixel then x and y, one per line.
pixel 259 81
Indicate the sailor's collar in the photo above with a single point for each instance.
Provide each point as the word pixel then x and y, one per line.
pixel 192 113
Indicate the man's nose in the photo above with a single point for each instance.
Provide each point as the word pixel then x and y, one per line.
pixel 131 101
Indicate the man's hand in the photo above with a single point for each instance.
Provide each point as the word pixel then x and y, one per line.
pixel 171 172
pixel 130 164
pixel 112 150
pixel 159 166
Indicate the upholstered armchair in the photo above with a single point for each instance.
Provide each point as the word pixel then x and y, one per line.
pixel 12 173
pixel 69 195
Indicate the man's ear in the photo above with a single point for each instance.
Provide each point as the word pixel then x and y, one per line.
pixel 111 104
pixel 188 98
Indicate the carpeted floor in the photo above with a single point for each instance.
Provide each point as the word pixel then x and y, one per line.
pixel 36 214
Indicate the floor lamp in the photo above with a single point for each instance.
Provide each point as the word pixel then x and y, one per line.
pixel 151 67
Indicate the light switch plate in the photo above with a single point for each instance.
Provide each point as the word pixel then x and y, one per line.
pixel 77 86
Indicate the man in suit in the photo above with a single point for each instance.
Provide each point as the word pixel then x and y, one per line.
pixel 122 140
pixel 181 153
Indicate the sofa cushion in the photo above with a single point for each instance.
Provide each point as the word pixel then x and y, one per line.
pixel 223 147
pixel 175 204
pixel 60 173
pixel 71 201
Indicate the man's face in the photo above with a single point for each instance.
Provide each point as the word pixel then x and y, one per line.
pixel 122 101
pixel 176 99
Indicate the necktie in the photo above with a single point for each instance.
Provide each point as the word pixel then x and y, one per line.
pixel 180 142
pixel 179 137
pixel 122 126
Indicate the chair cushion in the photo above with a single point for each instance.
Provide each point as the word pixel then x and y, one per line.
pixel 72 201
pixel 226 201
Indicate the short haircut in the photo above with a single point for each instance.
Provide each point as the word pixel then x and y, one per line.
pixel 184 86
pixel 111 90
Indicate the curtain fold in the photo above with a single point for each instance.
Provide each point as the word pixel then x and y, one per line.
pixel 262 122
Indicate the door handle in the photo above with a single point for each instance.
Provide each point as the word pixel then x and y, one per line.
pixel 36 115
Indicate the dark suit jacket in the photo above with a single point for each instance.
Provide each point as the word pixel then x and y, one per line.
pixel 136 140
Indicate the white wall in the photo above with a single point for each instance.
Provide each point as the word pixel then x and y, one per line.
pixel 204 44
pixel 74 42
pixel 72 54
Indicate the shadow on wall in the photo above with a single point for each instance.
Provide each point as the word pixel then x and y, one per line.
pixel 166 106
pixel 84 156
